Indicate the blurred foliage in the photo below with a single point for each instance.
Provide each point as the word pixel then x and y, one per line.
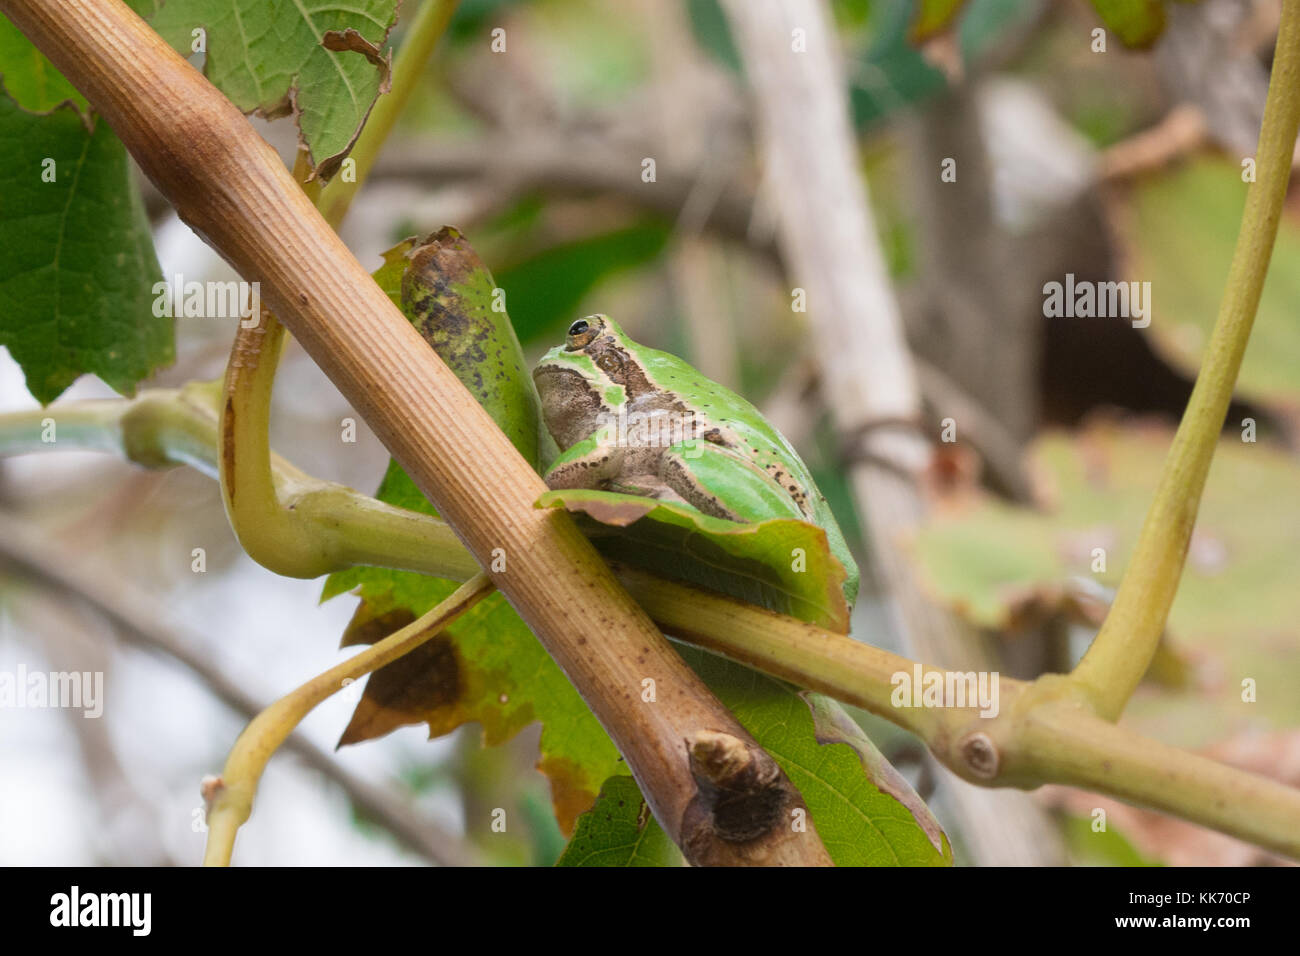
pixel 545 286
pixel 1138 23
pixel 1108 847
pixel 1235 614
pixel 1182 229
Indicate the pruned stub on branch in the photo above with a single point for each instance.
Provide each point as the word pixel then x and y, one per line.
pixel 743 804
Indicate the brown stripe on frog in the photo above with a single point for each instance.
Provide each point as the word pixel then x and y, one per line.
pixel 619 368
pixel 617 365
pixel 707 503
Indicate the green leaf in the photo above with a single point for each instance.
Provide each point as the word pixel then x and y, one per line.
pixel 321 62
pixel 29 78
pixel 865 813
pixel 488 666
pixel 1138 23
pixel 620 831
pixel 77 265
pixel 753 562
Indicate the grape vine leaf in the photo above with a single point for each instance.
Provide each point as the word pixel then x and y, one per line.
pixel 620 830
pixel 488 666
pixel 865 812
pixel 449 295
pixel 77 264
pixel 29 78
pixel 321 63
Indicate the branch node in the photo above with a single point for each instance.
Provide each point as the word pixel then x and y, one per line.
pixel 980 755
pixel 742 790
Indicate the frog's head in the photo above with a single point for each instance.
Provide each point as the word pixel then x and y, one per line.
pixel 584 378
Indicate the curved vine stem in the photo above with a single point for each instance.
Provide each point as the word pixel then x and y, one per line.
pixel 292 537
pixel 230 797
pixel 1122 650
pixel 1044 733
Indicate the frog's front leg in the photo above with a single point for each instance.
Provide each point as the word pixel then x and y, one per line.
pixel 724 484
pixel 585 464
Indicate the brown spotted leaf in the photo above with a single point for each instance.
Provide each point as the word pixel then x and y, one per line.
pixel 487 667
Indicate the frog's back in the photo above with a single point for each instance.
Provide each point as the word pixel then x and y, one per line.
pixel 727 419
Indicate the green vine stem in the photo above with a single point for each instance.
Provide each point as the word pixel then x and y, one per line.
pixel 1122 650
pixel 161 428
pixel 1046 731
pixel 230 797
pixel 276 531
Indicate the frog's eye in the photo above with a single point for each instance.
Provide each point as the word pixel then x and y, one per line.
pixel 583 331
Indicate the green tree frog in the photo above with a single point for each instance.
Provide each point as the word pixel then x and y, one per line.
pixel 635 420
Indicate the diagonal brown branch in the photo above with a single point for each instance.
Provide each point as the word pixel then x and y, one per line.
pixel 229 185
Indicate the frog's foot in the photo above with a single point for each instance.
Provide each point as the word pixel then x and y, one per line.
pixel 588 464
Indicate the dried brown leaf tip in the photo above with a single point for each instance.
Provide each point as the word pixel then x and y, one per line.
pixel 350 41
pixel 425 685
